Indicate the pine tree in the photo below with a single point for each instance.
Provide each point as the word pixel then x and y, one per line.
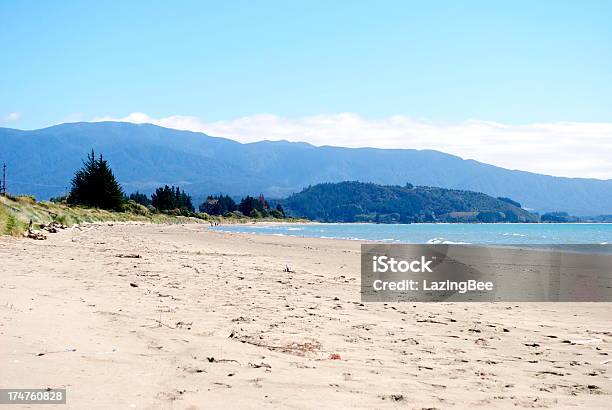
pixel 140 198
pixel 95 185
pixel 280 209
pixel 248 204
pixel 218 205
pixel 226 204
pixel 163 198
pixel 168 198
pixel 184 201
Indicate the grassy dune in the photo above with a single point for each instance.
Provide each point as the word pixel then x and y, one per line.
pixel 16 213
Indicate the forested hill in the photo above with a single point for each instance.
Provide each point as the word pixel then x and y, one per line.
pixel 368 202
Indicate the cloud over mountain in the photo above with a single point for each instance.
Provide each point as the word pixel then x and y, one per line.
pixel 571 149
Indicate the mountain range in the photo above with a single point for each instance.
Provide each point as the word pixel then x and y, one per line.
pixel 143 156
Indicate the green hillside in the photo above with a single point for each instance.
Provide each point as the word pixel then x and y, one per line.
pixel 367 202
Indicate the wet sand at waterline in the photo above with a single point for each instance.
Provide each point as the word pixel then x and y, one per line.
pixel 175 316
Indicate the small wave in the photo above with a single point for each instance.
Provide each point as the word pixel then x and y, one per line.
pixel 347 238
pixel 442 241
pixel 513 234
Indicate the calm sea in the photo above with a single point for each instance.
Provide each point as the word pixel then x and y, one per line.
pixel 440 233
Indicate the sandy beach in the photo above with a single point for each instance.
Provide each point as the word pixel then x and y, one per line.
pixel 178 317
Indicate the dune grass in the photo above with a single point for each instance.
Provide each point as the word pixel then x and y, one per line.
pixel 16 213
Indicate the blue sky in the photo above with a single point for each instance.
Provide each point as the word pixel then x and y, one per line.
pixel 465 77
pixel 513 62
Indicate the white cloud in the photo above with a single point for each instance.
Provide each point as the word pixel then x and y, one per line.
pixel 574 149
pixel 11 117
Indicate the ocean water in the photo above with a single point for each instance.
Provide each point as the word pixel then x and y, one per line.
pixel 494 234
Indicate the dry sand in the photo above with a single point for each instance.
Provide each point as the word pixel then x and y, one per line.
pixel 215 321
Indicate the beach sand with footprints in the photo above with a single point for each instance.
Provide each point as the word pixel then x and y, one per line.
pixel 175 316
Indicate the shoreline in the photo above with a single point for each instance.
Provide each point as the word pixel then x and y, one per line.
pixel 401 234
pixel 417 223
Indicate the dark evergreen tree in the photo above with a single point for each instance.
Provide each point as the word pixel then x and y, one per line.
pixel 248 204
pixel 280 209
pixel 226 204
pixel 142 199
pixel 218 205
pixel 278 212
pixel 184 201
pixel 95 185
pixel 163 198
pixel 167 198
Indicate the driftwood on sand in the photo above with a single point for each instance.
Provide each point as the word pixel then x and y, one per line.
pixel 52 227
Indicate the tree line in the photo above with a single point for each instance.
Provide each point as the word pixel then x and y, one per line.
pixel 249 206
pixel 172 198
pixel 95 185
